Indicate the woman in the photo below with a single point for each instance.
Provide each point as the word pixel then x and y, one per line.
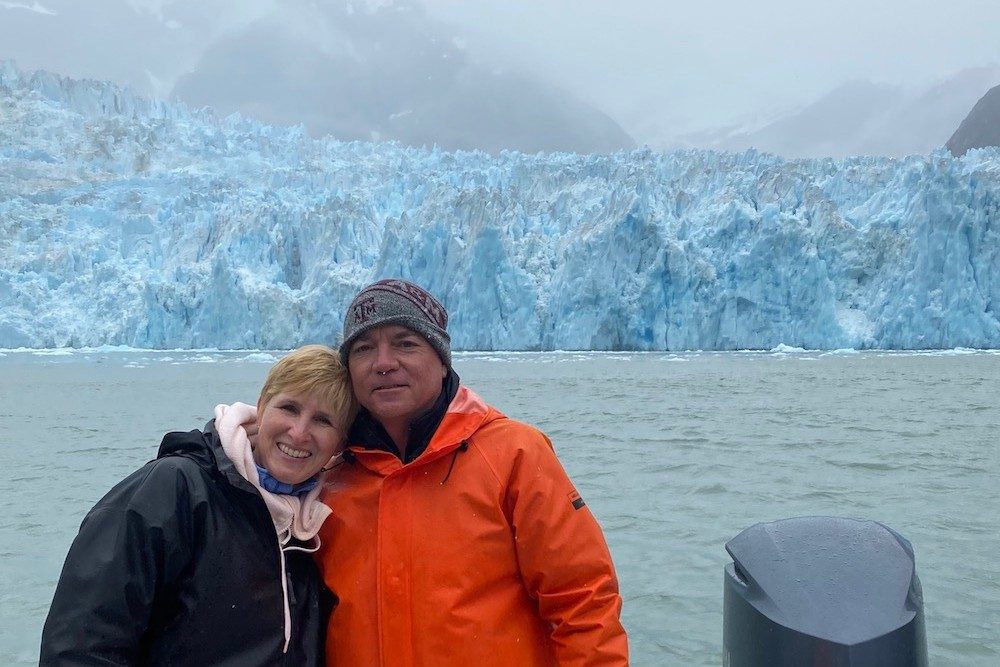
pixel 203 556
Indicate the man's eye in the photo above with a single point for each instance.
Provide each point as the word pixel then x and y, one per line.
pixel 360 349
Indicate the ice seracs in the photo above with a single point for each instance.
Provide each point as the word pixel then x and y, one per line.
pixel 130 222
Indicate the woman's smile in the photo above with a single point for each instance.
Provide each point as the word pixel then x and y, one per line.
pixel 294 453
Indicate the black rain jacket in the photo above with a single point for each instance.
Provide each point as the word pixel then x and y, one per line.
pixel 179 564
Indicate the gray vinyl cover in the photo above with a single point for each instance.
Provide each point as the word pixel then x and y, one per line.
pixel 823 586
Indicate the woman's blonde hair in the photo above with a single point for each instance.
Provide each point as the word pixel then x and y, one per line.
pixel 317 370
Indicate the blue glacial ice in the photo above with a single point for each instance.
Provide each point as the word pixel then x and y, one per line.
pixel 125 221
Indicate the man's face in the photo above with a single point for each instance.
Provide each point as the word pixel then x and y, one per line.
pixel 395 374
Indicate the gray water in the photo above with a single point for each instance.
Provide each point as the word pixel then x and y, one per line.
pixel 674 453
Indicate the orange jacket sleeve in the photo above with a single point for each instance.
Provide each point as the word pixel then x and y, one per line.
pixel 564 559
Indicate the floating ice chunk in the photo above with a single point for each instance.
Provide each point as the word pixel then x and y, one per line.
pixel 781 348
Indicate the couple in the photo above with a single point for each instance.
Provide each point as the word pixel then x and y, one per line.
pixel 446 532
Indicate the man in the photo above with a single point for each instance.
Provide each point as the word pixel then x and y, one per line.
pixel 456 537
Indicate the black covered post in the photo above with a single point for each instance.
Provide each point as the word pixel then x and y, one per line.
pixel 822 592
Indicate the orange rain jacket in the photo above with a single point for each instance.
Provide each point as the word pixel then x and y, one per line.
pixel 479 552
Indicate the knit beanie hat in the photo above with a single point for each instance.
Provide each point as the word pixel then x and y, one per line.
pixel 396 301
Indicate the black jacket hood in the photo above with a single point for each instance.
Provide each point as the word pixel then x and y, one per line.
pixel 205 448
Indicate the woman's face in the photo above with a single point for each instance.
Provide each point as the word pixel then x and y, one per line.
pixel 297 436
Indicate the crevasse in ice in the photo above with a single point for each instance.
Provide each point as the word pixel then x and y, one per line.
pixel 125 221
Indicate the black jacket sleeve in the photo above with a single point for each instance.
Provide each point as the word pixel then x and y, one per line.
pixel 121 568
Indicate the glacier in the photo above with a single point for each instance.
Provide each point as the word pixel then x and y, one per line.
pixel 133 222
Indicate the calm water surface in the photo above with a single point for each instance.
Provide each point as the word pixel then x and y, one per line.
pixel 674 453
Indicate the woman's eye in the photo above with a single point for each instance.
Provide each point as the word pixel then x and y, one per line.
pixel 288 407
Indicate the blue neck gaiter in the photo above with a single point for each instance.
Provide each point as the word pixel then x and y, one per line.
pixel 269 483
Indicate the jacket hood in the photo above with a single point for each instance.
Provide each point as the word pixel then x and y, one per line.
pixel 194 444
pixel 467 413
pixel 205 448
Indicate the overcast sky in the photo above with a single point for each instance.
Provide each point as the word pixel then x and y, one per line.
pixel 654 66
pixel 708 62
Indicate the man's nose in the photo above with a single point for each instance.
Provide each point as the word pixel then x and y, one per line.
pixel 385 360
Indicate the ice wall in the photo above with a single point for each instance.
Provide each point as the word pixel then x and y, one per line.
pixel 130 222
